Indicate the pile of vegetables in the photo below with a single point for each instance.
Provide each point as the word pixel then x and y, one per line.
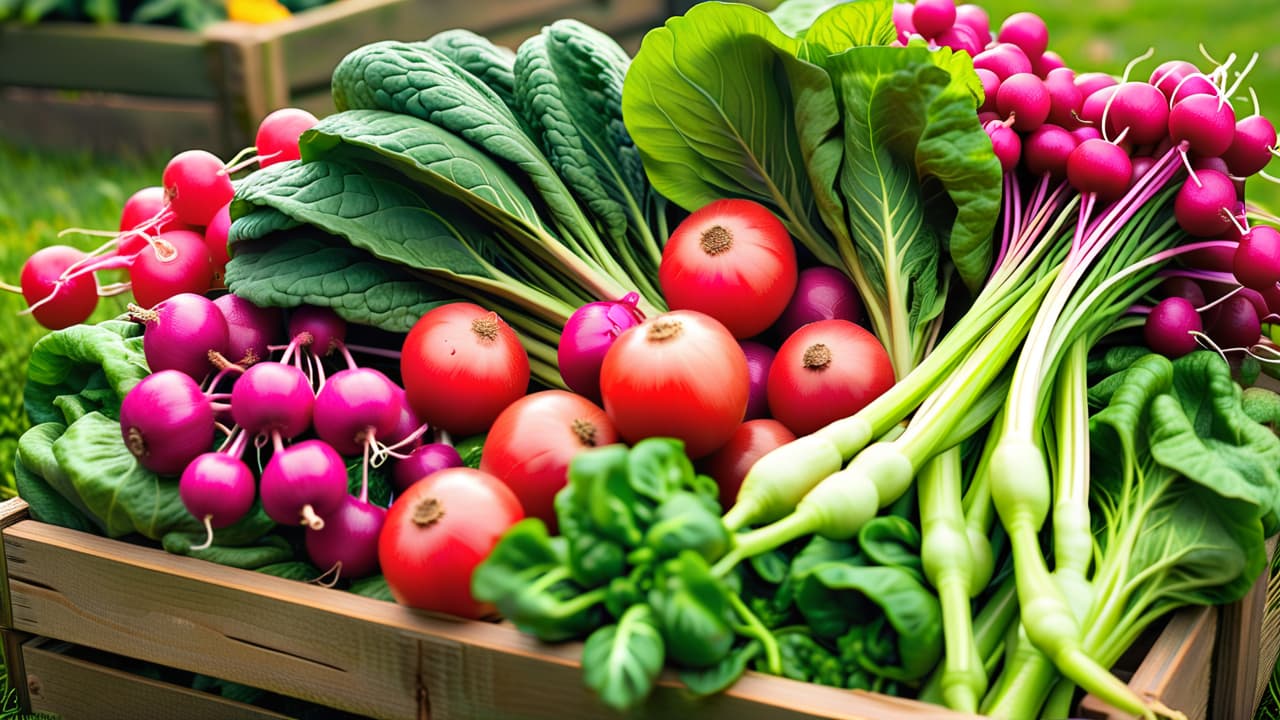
pixel 853 342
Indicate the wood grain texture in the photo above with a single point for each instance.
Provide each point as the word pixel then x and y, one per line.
pixel 77 689
pixel 1238 656
pixel 11 511
pixel 14 663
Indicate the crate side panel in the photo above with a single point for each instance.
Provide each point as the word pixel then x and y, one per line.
pixel 121 58
pixel 262 631
pixel 108 122
pixel 75 688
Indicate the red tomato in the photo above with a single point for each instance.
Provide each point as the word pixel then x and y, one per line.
pixel 733 260
pixel 681 375
pixel 533 440
pixel 825 371
pixel 437 532
pixel 462 365
pixel 729 465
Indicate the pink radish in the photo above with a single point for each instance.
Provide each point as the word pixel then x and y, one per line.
pixel 353 408
pixel 218 489
pixel 1097 166
pixel 181 333
pixel 272 398
pixel 57 304
pixel 1026 30
pixel 422 462
pixel 1251 146
pixel 1207 125
pixel 348 542
pixel 1003 59
pixel 1024 99
pixel 1257 259
pixel 1046 150
pixel 1138 111
pixel 303 483
pixel 932 17
pixel 1170 327
pixel 251 329
pixel 278 133
pixel 1205 209
pixel 166 421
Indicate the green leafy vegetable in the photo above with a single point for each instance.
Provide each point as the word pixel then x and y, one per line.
pixel 620 662
pixel 70 361
pixel 46 504
pixel 692 610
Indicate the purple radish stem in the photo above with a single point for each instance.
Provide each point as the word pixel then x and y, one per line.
pixel 367 350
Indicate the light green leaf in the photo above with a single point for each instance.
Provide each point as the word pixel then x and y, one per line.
pixel 794 17
pixel 620 662
pixel 44 502
pixel 66 362
pixel 847 25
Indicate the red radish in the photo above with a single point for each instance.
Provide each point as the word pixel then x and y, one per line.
pixel 183 333
pixel 976 19
pixel 303 483
pixel 422 462
pixel 822 293
pixel 1170 326
pixel 348 542
pixel 218 489
pixel 1046 150
pixel 1024 98
pixel 436 534
pixel 461 366
pixel 1086 132
pixel 532 442
pixel 1003 59
pixel 587 336
pixel 166 421
pixel 931 17
pixel 354 407
pixel 178 262
pixel 196 184
pixel 251 329
pixel 733 260
pixel 1141 165
pixel 1097 166
pixel 729 465
pixel 1205 209
pixel 273 398
pixel 1026 30
pixel 215 240
pixel 1257 260
pixel 1236 324
pixel 278 133
pixel 680 375
pixel 826 371
pixel 1139 112
pixel 1251 146
pixel 57 305
pixel 1205 124
pixel 145 211
pixel 318 329
pixel 1006 143
pixel 1185 288
pixel 1065 99
pixel 759 360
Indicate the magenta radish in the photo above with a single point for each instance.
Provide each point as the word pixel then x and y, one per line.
pixel 961 39
pixel 406 435
pixel 1065 98
pixel 176 262
pixel 1046 150
pixel 1251 146
pixel 1205 209
pixel 1085 132
pixel 348 542
pixel 1185 288
pixel 1047 63
pixel 1091 82
pixel 218 489
pixel 1142 165
pixel 422 462
pixel 588 335
pixel 1171 326
pixel 759 360
pixel 1179 79
pixel 353 408
pixel 1026 30
pixel 166 421
pixel 1138 112
pixel 278 133
pixel 990 86
pixel 822 293
pixel 1236 324
pixel 181 333
pixel 196 184
pixel 272 398
pixel 1100 167
pixel 976 19
pixel 1207 125
pixel 1257 259
pixel 1003 59
pixel 303 483
pixel 318 329
pixel 1095 104
pixel 57 303
pixel 1006 143
pixel 251 329
pixel 902 21
pixel 1024 99
pixel 931 17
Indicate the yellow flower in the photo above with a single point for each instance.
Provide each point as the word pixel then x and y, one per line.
pixel 256 11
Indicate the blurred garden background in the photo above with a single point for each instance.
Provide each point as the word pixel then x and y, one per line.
pixel 43 191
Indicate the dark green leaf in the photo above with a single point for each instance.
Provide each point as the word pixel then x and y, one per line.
pixel 772 566
pixel 373 587
pixel 270 550
pixel 601 490
pixel 722 675
pixel 35 452
pixel 620 662
pixel 490 63
pixel 45 504
pixel 893 541
pixel 379 482
pixel 299 570
pixel 658 467
pixel 685 522
pixel 692 611
pixel 470 448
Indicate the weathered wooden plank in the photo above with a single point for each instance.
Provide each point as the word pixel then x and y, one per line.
pixel 15 667
pixel 1238 656
pixel 74 688
pixel 119 58
pixel 11 511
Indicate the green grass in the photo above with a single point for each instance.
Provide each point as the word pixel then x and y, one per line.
pixel 40 194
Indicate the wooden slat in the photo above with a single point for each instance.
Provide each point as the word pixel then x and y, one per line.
pixel 11 511
pixel 108 122
pixel 118 58
pixel 1239 652
pixel 15 666
pixel 1176 671
pixel 1270 639
pixel 78 689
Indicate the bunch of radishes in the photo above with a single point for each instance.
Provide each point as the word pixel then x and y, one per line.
pixel 1101 136
pixel 213 375
pixel 172 237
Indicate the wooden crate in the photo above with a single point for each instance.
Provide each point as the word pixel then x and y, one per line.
pixel 381 660
pixel 79 86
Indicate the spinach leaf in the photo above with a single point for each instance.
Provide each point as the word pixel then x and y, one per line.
pixel 621 662
pixel 805 659
pixel 268 551
pixel 373 587
pixel 893 541
pixel 66 362
pixel 490 63
pixel 45 504
pixel 720 106
pixel 35 453
pixel 692 611
pixel 685 521
pixel 657 467
pixel 299 570
pixel 721 676
pixel 308 267
pixel 794 17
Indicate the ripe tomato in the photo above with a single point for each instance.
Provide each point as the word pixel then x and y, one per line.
pixel 681 375
pixel 462 365
pixel 729 465
pixel 437 532
pixel 533 440
pixel 825 371
pixel 733 260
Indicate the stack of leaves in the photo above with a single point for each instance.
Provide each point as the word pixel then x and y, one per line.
pixel 457 168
